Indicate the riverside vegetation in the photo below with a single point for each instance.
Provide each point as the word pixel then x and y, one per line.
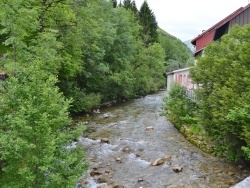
pixel 221 112
pixel 67 56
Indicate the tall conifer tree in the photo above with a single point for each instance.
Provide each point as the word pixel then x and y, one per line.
pixel 149 24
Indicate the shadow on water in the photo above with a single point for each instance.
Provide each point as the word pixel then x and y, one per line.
pixel 124 140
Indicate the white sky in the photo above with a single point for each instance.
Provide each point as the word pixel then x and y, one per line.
pixel 185 19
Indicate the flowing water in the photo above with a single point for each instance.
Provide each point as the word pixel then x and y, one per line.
pixel 125 161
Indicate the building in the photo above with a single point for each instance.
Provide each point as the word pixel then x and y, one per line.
pixel 180 76
pixel 241 17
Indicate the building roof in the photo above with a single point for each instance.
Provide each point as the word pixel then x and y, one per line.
pixel 220 23
pixel 180 70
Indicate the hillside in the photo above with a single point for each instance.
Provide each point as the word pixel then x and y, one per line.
pixel 190 45
pixel 178 54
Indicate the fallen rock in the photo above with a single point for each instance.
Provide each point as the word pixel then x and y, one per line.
pixel 150 128
pixel 177 169
pixel 158 162
pixel 104 140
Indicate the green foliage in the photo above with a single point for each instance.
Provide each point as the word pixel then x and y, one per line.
pixel 224 95
pixel 177 54
pixel 180 109
pixel 149 69
pixel 83 102
pixel 149 24
pixel 34 132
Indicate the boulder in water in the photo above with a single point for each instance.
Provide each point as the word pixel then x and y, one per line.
pixel 118 159
pixel 177 169
pixel 158 162
pixel 95 173
pixel 150 128
pixel 104 140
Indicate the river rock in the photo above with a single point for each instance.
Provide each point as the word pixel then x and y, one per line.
pixel 126 150
pixel 138 155
pixel 95 173
pixel 167 157
pixel 158 162
pixel 118 159
pixel 150 128
pixel 177 169
pixel 96 111
pixel 102 186
pixel 107 171
pixel 105 115
pixel 104 140
pixel 102 180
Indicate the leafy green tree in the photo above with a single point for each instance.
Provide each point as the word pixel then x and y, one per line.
pixel 149 24
pixel 177 54
pixel 178 107
pixel 34 132
pixel 224 93
pixel 149 69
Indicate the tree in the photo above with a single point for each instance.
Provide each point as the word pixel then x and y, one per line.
pixel 130 5
pixel 224 93
pixel 114 3
pixel 35 132
pixel 149 24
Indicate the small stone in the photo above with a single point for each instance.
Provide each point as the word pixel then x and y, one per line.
pixel 105 115
pixel 107 171
pixel 126 150
pixel 174 156
pixel 104 140
pixel 118 159
pixel 240 166
pixel 177 169
pixel 102 180
pixel 140 180
pixel 102 186
pixel 158 162
pixel 218 171
pixel 138 155
pixel 231 173
pixel 150 128
pixel 167 157
pixel 95 173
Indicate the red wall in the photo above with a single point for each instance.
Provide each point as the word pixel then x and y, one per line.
pixel 204 40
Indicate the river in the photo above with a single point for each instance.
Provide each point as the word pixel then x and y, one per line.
pixel 121 150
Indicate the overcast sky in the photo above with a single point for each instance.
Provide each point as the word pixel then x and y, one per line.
pixel 185 19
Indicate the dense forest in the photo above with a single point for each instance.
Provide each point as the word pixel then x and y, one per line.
pixel 70 56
